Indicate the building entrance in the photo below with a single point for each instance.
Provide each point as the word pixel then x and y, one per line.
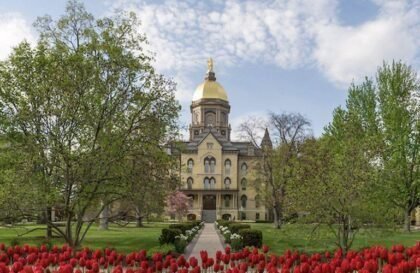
pixel 209 208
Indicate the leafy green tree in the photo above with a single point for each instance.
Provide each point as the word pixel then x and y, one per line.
pixel 398 97
pixel 78 105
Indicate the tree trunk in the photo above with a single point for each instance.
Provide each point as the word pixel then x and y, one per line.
pixel 277 216
pixel 104 218
pixel 407 220
pixel 139 221
pixel 48 220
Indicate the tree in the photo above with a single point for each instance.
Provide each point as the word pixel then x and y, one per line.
pixel 178 203
pixel 79 105
pixel 334 180
pixel 398 97
pixel 278 165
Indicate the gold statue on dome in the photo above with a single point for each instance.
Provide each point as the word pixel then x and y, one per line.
pixel 210 65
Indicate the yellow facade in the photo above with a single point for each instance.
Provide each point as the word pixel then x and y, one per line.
pixel 217 173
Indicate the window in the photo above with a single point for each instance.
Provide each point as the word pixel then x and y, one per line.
pixel 189 183
pixel 257 216
pixel 244 169
pixel 206 183
pixel 212 165
pixel 227 201
pixel 244 199
pixel 206 165
pixel 209 164
pixel 212 183
pixel 190 165
pixel 191 201
pixel 210 119
pixel 209 145
pixel 227 183
pixel 228 164
pixel 257 201
pixel 243 184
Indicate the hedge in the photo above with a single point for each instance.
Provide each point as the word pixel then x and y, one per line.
pixel 251 237
pixel 234 228
pixel 168 235
pixel 182 227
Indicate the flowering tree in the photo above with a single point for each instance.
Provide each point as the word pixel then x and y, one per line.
pixel 178 203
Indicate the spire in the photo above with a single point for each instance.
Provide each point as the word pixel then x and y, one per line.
pixel 210 75
pixel 266 140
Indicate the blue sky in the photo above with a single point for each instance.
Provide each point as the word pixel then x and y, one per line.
pixel 287 55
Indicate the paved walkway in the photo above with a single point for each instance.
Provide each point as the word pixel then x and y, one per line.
pixel 208 240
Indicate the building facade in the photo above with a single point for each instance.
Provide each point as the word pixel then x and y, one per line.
pixel 217 173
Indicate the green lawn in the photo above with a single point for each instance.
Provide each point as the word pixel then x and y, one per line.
pixel 124 239
pixel 301 237
pixel 291 236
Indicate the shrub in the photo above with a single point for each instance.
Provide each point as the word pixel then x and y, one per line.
pixel 263 221
pixel 224 223
pixel 182 227
pixel 180 245
pixel 234 228
pixel 251 237
pixel 168 235
pixel 164 249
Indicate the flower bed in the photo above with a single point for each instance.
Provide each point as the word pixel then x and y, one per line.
pixel 180 235
pixel 30 259
pixel 239 235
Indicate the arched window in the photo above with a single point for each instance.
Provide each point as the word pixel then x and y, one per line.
pixel 227 183
pixel 243 184
pixel 212 183
pixel 206 183
pixel 209 164
pixel 257 201
pixel 244 169
pixel 190 165
pixel 228 164
pixel 212 165
pixel 210 119
pixel 206 165
pixel 189 183
pixel 227 201
pixel 244 199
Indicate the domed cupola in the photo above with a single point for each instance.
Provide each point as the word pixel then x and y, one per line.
pixel 210 107
pixel 210 88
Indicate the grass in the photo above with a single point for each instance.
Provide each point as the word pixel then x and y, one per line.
pixel 291 236
pixel 124 239
pixel 301 237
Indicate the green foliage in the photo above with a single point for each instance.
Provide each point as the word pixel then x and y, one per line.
pixel 168 235
pixel 235 228
pixel 80 113
pixel 180 245
pixel 164 249
pixel 251 237
pixel 182 227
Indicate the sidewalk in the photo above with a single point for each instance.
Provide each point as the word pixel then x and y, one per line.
pixel 209 240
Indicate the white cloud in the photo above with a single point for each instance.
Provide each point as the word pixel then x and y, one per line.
pixel 185 33
pixel 287 33
pixel 345 53
pixel 14 29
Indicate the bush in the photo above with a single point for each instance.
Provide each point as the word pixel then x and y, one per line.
pixel 182 227
pixel 251 237
pixel 263 221
pixel 168 235
pixel 164 249
pixel 234 228
pixel 224 223
pixel 180 245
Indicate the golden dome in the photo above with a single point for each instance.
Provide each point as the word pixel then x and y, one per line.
pixel 210 89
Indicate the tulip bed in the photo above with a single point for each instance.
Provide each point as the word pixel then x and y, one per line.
pixel 30 259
